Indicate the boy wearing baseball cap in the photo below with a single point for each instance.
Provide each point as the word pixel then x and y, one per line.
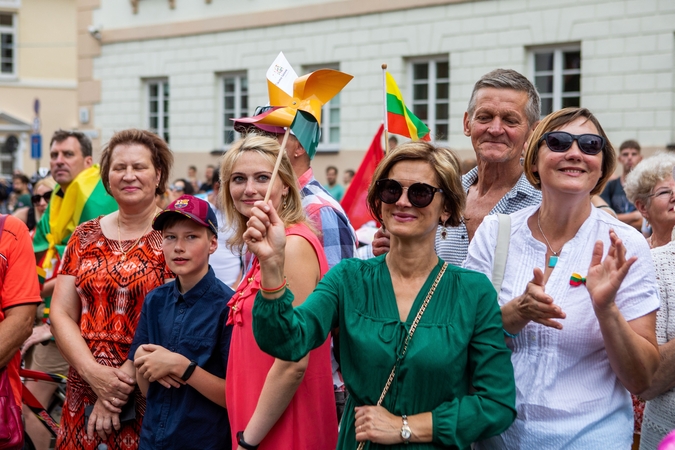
pixel 182 342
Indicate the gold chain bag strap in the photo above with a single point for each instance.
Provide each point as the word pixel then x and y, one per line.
pixel 408 337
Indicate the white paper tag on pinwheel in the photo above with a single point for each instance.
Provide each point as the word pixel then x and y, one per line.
pixel 282 74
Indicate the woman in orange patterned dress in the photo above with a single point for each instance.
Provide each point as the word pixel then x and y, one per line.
pixel 109 266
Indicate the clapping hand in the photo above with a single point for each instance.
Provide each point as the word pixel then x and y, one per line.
pixel 605 276
pixel 536 305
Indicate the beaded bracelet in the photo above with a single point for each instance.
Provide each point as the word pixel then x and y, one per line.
pixel 512 336
pixel 275 290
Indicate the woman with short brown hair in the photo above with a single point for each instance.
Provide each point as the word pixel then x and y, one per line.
pixel 582 326
pixel 110 264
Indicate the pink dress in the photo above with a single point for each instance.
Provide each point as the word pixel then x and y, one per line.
pixel 310 421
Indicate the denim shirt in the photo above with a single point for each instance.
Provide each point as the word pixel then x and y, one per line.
pixel 192 324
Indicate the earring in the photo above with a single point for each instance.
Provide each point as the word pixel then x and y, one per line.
pixel 284 205
pixel 444 231
pixel 522 161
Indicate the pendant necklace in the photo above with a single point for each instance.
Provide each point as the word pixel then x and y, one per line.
pixel 553 259
pixel 119 239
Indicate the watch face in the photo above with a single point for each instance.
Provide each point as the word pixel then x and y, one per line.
pixel 405 433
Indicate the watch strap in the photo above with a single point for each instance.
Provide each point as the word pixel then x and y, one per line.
pixel 189 371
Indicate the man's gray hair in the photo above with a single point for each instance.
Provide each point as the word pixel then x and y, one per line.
pixel 509 79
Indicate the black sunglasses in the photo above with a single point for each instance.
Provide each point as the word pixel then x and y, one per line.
pixel 561 141
pixel 37 197
pixel 420 195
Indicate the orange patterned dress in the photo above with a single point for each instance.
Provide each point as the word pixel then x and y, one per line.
pixel 111 292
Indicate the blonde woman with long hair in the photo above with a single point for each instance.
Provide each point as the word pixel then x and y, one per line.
pixel 274 403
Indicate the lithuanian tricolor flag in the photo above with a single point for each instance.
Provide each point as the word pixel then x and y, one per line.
pixel 400 119
pixel 85 199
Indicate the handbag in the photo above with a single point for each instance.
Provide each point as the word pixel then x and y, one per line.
pixel 408 337
pixel 11 423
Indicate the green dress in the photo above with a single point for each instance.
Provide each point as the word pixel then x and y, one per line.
pixel 459 343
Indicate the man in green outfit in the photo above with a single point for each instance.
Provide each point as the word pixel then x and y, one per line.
pixel 333 188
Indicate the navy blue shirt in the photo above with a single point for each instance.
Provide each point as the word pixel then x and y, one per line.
pixel 194 325
pixel 616 198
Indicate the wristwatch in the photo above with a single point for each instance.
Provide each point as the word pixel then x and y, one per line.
pixel 188 372
pixel 405 430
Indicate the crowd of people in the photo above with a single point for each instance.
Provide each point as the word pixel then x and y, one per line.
pixel 517 303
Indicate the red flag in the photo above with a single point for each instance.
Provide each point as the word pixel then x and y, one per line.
pixel 354 202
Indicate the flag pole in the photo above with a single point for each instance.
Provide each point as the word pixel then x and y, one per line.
pixel 273 178
pixel 384 95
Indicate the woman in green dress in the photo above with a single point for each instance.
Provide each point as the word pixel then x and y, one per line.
pixel 452 381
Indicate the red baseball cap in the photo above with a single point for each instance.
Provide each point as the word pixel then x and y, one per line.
pixel 191 207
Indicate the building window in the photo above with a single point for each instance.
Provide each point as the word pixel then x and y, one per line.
pixel 158 108
pixel 557 76
pixel 330 114
pixel 431 95
pixel 7 44
pixel 235 104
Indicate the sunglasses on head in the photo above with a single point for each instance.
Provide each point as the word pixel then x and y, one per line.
pixel 37 197
pixel 420 195
pixel 561 141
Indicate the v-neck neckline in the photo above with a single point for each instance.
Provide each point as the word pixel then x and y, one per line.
pixel 419 299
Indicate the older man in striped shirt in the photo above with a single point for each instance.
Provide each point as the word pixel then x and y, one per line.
pixel 503 111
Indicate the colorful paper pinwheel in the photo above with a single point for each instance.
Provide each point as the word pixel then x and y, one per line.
pixel 302 112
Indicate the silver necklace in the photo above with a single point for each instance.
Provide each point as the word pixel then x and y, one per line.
pixel 553 259
pixel 119 239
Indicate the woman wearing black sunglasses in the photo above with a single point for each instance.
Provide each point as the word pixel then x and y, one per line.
pixel 42 192
pixel 449 384
pixel 582 326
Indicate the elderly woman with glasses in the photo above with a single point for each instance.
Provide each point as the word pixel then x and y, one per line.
pixel 421 344
pixel 578 300
pixel 650 188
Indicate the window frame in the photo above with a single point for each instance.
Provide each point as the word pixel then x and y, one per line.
pixel 160 131
pixel 238 111
pixel 558 72
pixel 431 100
pixel 325 145
pixel 13 30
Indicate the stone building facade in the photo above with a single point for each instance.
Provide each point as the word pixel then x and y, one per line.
pixel 184 67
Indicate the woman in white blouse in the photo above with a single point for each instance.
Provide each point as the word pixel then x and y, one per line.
pixel 578 300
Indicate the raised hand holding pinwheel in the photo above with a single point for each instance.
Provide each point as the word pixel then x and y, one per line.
pixel 300 113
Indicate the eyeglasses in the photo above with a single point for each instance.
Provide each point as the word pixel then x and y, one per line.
pixel 177 188
pixel 420 195
pixel 561 141
pixel 665 193
pixel 35 199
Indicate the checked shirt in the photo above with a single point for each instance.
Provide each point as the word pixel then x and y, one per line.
pixel 336 233
pixel 454 248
